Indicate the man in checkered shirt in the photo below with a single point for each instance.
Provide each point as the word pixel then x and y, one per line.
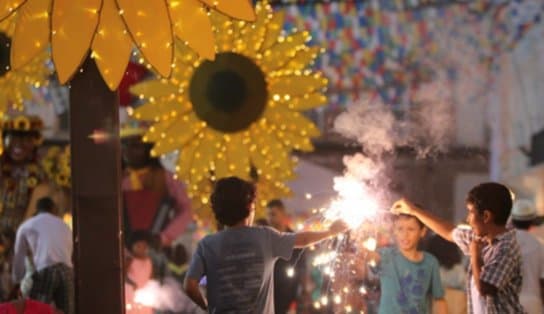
pixel 495 257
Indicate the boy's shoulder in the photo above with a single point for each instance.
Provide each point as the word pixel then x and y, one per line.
pixel 507 243
pixel 236 233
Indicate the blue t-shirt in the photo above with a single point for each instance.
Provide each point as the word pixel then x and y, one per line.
pixel 239 266
pixel 408 287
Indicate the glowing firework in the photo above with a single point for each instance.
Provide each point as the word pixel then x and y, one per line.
pixel 324 258
pixel 290 272
pixel 370 244
pixel 354 204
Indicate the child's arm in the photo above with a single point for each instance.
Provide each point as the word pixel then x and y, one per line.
pixel 193 291
pixel 438 225
pixel 440 306
pixel 307 238
pixel 477 263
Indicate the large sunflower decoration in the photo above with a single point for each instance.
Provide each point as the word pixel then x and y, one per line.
pixel 16 84
pixel 241 111
pixel 110 28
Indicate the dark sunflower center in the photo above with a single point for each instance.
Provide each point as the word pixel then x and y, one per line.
pixel 5 45
pixel 229 93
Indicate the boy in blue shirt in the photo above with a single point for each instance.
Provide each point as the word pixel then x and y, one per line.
pixel 409 278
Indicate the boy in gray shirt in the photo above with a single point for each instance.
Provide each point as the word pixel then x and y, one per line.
pixel 238 262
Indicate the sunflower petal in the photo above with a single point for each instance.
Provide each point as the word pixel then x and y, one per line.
pixel 31 32
pixel 273 31
pixel 111 59
pixel 206 153
pixel 73 25
pixel 255 32
pixel 238 156
pixel 296 85
pixel 281 53
pixel 172 139
pixel 185 161
pixel 149 24
pixel 154 88
pixel 162 110
pixel 223 30
pixel 292 121
pixel 185 57
pixel 188 16
pixel 307 102
pixel 7 7
pixel 153 134
pixel 303 59
pixel 238 9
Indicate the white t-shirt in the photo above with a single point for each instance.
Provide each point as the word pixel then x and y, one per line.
pixel 48 239
pixel 532 259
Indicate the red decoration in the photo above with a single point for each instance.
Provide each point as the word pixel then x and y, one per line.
pixel 133 74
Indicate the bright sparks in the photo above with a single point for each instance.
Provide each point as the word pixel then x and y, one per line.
pixel 354 204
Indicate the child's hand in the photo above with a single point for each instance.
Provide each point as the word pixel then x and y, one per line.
pixel 476 247
pixel 403 206
pixel 338 226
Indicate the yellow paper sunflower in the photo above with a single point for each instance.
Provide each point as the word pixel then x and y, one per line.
pixel 16 84
pixel 110 28
pixel 241 110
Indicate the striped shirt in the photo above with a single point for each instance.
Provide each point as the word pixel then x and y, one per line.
pixel 501 269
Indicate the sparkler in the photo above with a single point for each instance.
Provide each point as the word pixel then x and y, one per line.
pixel 354 204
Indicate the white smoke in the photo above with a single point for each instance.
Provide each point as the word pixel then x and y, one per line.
pixel 425 127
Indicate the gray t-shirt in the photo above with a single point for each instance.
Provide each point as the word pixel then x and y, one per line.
pixel 239 266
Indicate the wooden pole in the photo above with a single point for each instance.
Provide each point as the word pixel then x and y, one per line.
pixel 96 202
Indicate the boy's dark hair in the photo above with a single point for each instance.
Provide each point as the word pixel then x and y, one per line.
pixel 45 205
pixel 446 252
pixel 231 200
pixel 277 203
pixel 139 236
pixel 406 216
pixel 493 197
pixel 522 224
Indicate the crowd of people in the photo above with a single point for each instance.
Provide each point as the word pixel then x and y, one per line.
pixel 422 264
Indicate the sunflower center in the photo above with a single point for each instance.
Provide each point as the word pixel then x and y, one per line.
pixel 5 44
pixel 229 93
pixel 226 91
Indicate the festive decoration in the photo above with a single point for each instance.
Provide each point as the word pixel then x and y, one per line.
pixel 240 111
pixel 110 28
pixel 22 124
pixel 56 165
pixel 16 84
pixel 387 49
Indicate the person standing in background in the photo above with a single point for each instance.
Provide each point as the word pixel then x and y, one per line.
pixel 289 275
pixel 532 257
pixel 154 201
pixel 47 241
